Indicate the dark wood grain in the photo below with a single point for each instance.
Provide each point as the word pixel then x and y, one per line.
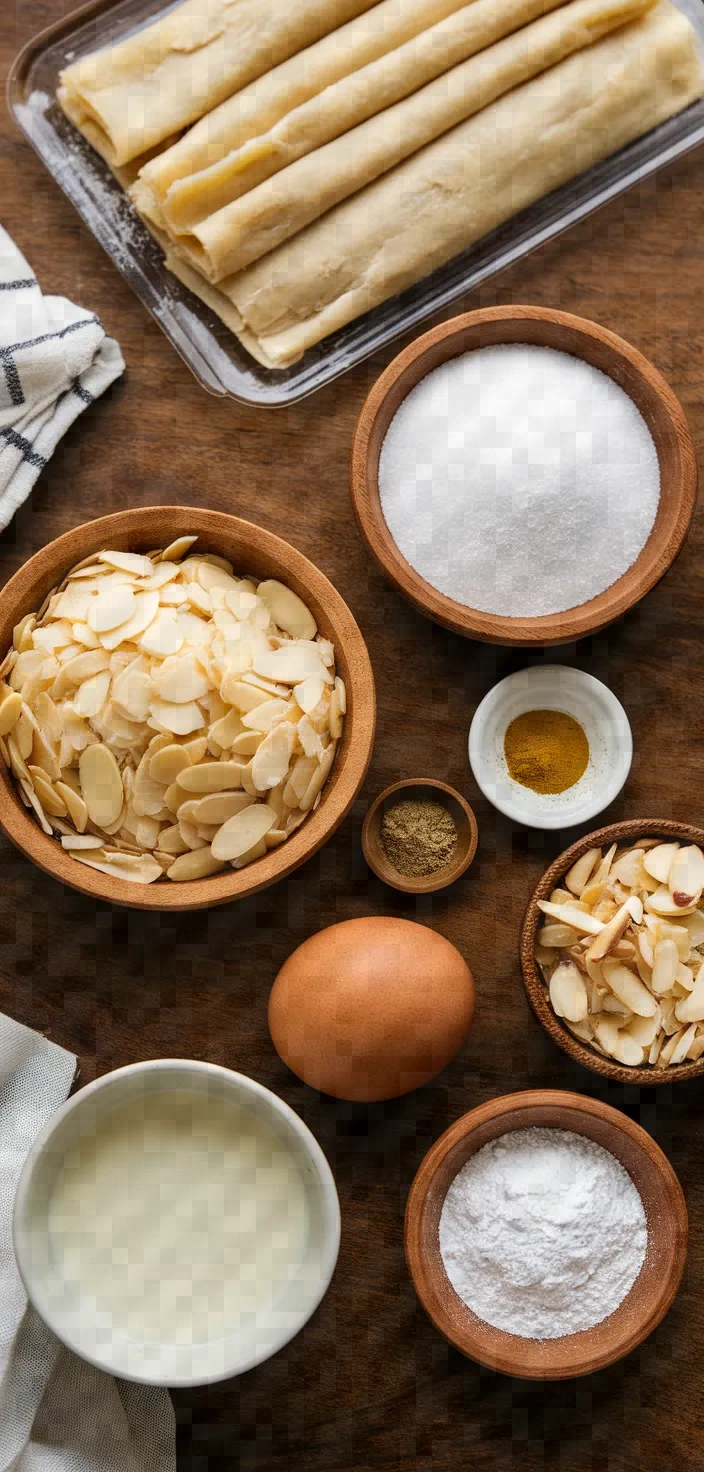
pixel 370 1386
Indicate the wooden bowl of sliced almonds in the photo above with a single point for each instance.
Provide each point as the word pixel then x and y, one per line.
pixel 187 708
pixel 612 951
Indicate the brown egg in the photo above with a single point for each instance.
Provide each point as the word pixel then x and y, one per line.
pixel 371 1008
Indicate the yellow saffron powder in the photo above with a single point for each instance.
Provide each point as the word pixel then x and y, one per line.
pixel 546 750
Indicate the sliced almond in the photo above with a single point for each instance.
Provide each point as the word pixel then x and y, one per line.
pixel 82 841
pixel 101 785
pixel 686 877
pixel 316 782
pixel 181 720
pixel 629 989
pixel 694 924
pixel 669 1048
pixel 75 806
pixel 210 777
pixel 10 712
pixel 226 731
pixel 165 765
pixel 246 744
pixel 128 562
pixel 610 933
pixel 51 801
pixel 240 833
pixel 271 760
pixel 180 680
pixel 287 609
pixel 578 920
pixel 663 902
pixel 112 607
pixel 666 962
pixel 568 993
pixel 197 864
pixel 691 1008
pixel 217 807
pixel 178 549
pixel 645 1029
pixel 291 664
pixel 258 851
pixel 245 698
pixel 309 693
pixel 265 715
pixel 659 860
pixel 628 1050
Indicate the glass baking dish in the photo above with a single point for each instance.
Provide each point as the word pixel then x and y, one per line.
pixel 211 351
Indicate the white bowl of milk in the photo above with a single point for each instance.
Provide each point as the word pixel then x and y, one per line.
pixel 176 1223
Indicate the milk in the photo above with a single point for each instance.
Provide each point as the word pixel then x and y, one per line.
pixel 181 1215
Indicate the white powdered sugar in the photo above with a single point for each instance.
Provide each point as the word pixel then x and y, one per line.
pixel 542 1233
pixel 519 480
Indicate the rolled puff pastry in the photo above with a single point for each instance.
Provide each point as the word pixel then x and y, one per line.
pixel 347 77
pixel 442 199
pixel 278 209
pixel 131 96
pixel 191 179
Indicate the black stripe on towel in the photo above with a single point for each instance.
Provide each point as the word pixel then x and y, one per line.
pixel 19 442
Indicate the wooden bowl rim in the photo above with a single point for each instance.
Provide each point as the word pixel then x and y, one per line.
pixel 426 884
pixel 548 629
pixel 426 1273
pixel 535 987
pixel 131 528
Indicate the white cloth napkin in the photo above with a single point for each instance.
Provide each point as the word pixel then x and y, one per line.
pixel 57 1413
pixel 54 360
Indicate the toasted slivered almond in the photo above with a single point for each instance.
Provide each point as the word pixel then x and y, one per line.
pixel 610 933
pixel 641 970
pixel 578 876
pixel 578 920
pixel 568 993
pixel 665 966
pixel 629 988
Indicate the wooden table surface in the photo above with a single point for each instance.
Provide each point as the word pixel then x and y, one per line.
pixel 369 1384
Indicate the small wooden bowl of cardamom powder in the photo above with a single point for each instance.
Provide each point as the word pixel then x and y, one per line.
pixel 419 836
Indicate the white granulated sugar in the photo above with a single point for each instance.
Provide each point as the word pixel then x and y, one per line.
pixel 542 1233
pixel 519 480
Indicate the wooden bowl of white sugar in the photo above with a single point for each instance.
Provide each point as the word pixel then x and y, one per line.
pixel 523 476
pixel 556 1218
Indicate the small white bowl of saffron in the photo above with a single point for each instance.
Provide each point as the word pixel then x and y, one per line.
pixel 545 688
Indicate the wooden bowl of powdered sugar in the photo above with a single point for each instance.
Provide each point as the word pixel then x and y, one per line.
pixel 523 476
pixel 546 1234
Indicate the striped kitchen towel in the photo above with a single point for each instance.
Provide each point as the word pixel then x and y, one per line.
pixel 54 360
